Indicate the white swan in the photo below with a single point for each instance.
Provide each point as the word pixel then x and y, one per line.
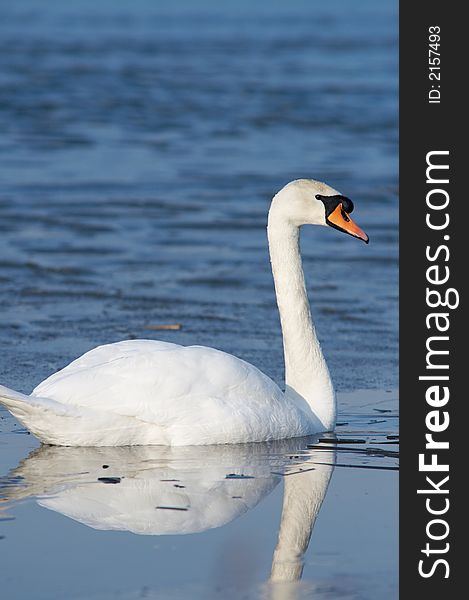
pixel 143 392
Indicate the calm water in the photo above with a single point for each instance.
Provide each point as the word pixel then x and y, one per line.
pixel 141 144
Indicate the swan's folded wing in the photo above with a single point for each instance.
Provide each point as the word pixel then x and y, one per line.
pixel 164 384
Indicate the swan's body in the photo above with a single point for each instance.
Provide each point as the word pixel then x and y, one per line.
pixel 147 392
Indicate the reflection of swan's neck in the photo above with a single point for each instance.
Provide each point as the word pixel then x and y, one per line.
pixel 302 499
pixel 306 373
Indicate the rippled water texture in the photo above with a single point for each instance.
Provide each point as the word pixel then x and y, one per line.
pixel 141 144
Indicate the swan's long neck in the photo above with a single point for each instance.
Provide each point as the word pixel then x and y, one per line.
pixel 307 377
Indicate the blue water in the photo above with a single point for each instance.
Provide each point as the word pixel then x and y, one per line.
pixel 141 144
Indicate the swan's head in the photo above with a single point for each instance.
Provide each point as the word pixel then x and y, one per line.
pixel 309 202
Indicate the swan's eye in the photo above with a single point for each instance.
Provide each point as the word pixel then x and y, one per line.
pixel 318 197
pixel 347 205
pixel 344 215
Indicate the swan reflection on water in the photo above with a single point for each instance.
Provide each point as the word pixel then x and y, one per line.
pixel 160 490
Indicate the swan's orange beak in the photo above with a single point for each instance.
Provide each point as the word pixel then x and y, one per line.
pixel 340 220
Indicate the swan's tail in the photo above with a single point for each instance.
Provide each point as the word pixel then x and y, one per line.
pixel 22 406
pixel 61 424
pixel 16 402
pixel 34 412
